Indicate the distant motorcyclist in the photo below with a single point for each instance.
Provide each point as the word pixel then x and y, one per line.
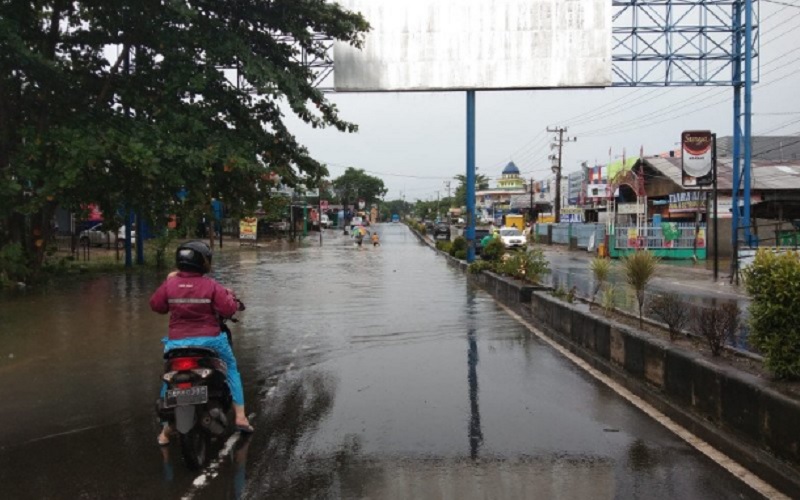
pixel 195 302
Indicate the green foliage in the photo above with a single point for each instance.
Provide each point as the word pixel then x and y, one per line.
pixel 77 127
pixel 640 267
pixel 481 265
pixel 13 264
pixel 773 281
pixel 444 246
pixel 670 309
pixel 461 255
pixel 275 207
pixel 460 197
pixel 608 299
pixel 529 266
pixel 399 207
pixel 459 244
pixel 355 184
pixel 716 324
pixel 160 244
pixel 494 250
pixel 601 270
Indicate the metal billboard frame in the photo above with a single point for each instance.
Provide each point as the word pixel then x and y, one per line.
pixel 655 43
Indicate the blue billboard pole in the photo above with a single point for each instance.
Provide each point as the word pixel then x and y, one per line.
pixel 470 175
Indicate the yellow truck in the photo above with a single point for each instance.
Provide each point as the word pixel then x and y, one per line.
pixel 514 220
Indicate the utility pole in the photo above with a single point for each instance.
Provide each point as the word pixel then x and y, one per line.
pixel 557 166
pixel 531 209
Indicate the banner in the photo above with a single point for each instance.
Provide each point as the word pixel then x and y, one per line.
pixel 696 158
pixel 248 229
pixel 688 201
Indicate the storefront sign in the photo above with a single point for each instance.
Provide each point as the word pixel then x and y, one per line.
pixel 630 208
pixel 248 229
pixel 697 158
pixel 688 201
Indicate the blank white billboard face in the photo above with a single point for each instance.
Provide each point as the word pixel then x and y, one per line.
pixel 477 44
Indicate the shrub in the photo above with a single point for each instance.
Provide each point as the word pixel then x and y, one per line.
pixel 530 265
pixel 481 265
pixel 640 267
pixel 573 292
pixel 601 270
pixel 608 299
pixel 716 324
pixel 161 243
pixel 13 264
pixel 444 246
pixel 494 250
pixel 773 281
pixel 459 244
pixel 461 255
pixel 670 309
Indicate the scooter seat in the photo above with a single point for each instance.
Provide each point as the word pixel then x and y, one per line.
pixel 203 352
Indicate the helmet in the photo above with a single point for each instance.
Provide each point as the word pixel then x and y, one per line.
pixel 193 256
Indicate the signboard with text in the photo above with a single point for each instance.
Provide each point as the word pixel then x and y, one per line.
pixel 688 201
pixel 248 229
pixel 696 159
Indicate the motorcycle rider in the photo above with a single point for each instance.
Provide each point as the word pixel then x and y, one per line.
pixel 194 302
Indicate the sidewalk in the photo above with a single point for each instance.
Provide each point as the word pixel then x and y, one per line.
pixel 677 276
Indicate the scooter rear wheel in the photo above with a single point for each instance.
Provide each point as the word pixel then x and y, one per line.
pixel 194 447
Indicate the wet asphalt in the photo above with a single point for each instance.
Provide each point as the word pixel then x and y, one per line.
pixel 372 373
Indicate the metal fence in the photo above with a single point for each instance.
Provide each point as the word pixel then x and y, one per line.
pixel 653 237
pixel 561 234
pixel 584 234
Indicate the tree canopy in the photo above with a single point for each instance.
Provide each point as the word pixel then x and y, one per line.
pixel 460 198
pixel 355 184
pixel 126 102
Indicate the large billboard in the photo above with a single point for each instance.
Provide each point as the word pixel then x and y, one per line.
pixel 697 158
pixel 477 44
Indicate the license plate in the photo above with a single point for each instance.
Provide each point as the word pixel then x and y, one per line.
pixel 184 397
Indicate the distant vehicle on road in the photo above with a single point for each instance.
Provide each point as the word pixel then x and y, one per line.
pixel 429 225
pixel 395 218
pixel 98 236
pixel 441 229
pixel 512 237
pixel 325 221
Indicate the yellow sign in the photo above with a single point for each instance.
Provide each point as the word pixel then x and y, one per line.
pixel 248 228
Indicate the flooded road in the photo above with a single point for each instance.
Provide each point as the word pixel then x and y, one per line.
pixel 372 373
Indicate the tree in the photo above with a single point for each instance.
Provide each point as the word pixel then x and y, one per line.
pixel 481 182
pixel 640 268
pixel 355 184
pixel 399 207
pixel 125 103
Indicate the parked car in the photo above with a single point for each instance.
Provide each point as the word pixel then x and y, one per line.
pixel 441 229
pixel 98 236
pixel 512 237
pixel 325 221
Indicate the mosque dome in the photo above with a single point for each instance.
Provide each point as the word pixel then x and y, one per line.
pixel 511 169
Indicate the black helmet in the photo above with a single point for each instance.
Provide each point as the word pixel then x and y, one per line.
pixel 193 256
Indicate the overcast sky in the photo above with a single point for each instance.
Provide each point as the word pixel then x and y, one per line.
pixel 416 141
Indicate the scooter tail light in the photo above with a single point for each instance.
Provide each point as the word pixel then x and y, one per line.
pixel 184 364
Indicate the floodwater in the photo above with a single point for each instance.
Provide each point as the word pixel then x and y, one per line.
pixel 372 373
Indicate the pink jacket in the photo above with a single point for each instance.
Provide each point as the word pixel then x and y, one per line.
pixel 193 301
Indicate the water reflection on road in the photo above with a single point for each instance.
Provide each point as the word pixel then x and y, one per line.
pixel 373 373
